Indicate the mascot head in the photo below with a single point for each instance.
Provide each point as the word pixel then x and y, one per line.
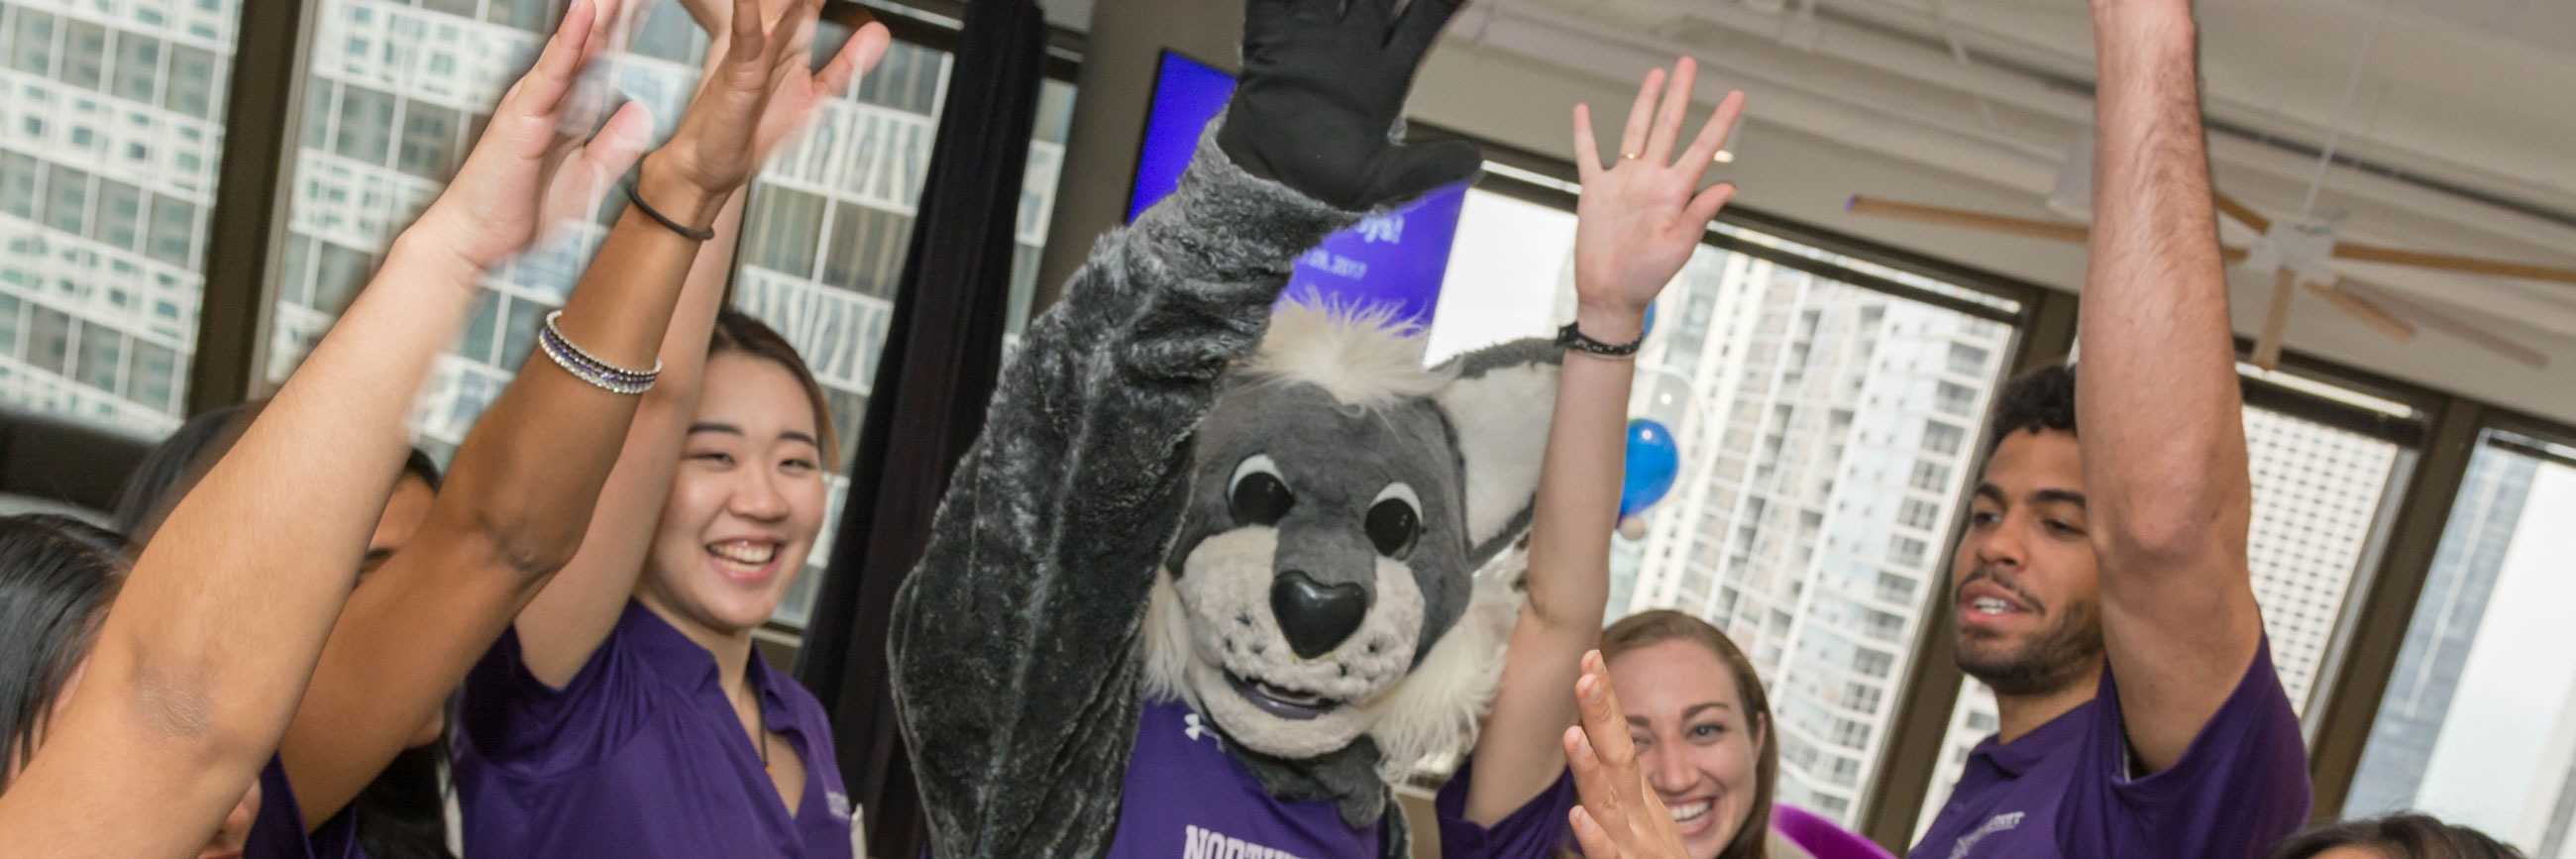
pixel 1324 585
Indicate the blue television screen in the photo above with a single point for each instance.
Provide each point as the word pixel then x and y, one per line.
pixel 1394 258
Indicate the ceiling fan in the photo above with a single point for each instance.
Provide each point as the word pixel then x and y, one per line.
pixel 2298 251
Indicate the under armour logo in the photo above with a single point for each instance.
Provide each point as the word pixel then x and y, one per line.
pixel 1196 729
pixel 2000 823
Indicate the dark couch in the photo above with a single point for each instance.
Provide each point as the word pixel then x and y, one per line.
pixel 54 463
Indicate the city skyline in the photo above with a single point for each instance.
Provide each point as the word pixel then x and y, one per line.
pixel 110 134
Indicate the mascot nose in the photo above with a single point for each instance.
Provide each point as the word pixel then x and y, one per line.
pixel 1316 616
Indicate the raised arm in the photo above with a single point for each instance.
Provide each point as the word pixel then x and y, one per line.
pixel 2163 429
pixel 1015 642
pixel 1636 224
pixel 202 660
pixel 522 491
pixel 565 623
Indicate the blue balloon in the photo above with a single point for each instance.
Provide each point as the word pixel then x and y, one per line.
pixel 1653 462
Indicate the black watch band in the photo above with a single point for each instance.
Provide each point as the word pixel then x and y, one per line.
pixel 1573 338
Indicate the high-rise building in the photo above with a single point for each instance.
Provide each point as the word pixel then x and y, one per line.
pixel 1835 425
pixel 2317 492
pixel 397 93
pixel 111 129
pixel 2420 690
pixel 2549 811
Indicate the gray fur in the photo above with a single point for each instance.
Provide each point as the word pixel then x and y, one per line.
pixel 1106 458
pixel 1014 642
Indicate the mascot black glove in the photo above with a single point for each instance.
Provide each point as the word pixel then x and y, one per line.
pixel 1322 94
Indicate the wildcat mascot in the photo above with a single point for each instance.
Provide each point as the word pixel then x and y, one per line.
pixel 1208 580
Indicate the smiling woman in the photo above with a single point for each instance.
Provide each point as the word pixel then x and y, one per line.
pixel 747 502
pixel 742 501
pixel 1702 727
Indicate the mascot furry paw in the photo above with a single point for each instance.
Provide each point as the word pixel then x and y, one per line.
pixel 1197 591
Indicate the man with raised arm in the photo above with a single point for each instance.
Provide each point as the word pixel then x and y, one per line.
pixel 2102 587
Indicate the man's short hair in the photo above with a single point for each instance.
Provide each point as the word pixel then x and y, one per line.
pixel 2042 399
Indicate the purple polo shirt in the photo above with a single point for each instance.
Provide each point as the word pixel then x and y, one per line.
pixel 1185 796
pixel 1536 830
pixel 277 832
pixel 640 755
pixel 2065 789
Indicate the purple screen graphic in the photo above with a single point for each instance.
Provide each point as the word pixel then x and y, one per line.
pixel 1396 258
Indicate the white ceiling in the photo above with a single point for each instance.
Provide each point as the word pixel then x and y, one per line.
pixel 2465 113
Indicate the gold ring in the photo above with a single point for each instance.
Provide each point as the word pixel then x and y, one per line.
pixel 1630 156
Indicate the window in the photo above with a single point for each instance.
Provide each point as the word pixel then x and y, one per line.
pixel 1756 524
pixel 106 174
pixel 1919 514
pixel 1959 400
pixel 2478 725
pixel 1942 438
pixel 1930 477
pixel 1966 360
pixel 1905 552
pixel 2317 492
pixel 1861 696
pixel 31 40
pixel 823 243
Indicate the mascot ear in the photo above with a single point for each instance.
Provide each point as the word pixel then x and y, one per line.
pixel 1498 409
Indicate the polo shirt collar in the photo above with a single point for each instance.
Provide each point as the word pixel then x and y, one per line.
pixel 664 645
pixel 2048 739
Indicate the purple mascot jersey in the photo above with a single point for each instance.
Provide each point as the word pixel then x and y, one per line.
pixel 1186 797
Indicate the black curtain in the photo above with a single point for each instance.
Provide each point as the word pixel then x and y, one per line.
pixel 942 355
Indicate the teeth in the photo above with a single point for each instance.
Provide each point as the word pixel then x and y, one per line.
pixel 754 554
pixel 1691 812
pixel 1990 605
pixel 1290 697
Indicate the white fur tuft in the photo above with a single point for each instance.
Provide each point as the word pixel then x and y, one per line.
pixel 1353 352
pixel 1438 708
pixel 1167 645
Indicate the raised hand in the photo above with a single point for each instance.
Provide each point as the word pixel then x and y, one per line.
pixel 1620 818
pixel 1638 219
pixel 758 90
pixel 1322 92
pixel 526 174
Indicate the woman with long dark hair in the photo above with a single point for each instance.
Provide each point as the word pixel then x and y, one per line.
pixel 627 713
pixel 402 813
pixel 624 712
pixel 202 663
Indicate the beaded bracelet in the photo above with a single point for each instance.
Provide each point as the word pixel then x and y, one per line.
pixel 589 368
pixel 1572 337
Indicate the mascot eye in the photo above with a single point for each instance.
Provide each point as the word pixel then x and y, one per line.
pixel 1259 497
pixel 1394 521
